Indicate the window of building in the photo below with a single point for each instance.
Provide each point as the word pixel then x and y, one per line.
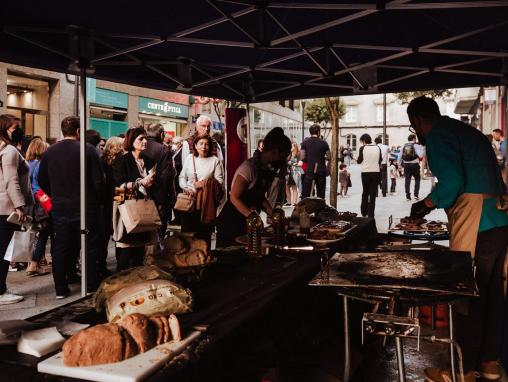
pixel 380 136
pixel 379 113
pixel 351 113
pixel 351 141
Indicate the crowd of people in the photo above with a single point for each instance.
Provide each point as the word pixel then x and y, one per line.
pixel 40 184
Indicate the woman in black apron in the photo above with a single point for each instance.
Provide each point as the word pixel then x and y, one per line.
pixel 250 184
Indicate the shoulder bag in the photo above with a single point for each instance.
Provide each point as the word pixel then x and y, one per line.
pixel 186 202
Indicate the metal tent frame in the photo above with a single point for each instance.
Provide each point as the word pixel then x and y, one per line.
pixel 283 50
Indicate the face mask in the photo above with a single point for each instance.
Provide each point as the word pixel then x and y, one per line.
pixel 17 136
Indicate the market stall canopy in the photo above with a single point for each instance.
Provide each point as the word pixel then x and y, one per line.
pixel 264 50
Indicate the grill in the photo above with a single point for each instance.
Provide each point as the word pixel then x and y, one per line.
pixel 417 277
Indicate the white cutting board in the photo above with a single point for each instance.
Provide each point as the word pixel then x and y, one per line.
pixel 134 369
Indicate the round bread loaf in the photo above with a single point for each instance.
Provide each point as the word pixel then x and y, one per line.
pixel 97 345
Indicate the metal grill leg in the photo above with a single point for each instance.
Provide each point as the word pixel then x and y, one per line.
pixel 400 359
pixel 452 352
pixel 347 354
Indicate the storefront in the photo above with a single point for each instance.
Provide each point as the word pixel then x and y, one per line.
pixel 28 99
pixel 108 110
pixel 172 116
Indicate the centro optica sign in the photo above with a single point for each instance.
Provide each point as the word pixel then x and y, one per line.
pixel 155 106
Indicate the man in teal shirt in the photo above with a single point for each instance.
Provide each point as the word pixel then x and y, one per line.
pixel 469 182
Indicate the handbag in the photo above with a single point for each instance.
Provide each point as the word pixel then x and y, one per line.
pixel 139 215
pixel 21 247
pixel 186 202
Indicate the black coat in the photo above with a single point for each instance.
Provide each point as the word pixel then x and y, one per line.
pixel 164 186
pixel 126 170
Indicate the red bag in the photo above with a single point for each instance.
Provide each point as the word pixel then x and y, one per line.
pixel 44 200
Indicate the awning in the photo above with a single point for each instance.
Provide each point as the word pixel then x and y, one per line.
pixel 256 51
pixel 465 106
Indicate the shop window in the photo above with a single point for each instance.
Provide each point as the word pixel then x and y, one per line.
pixel 351 113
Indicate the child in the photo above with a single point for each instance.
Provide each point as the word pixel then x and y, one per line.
pixel 344 179
pixel 393 176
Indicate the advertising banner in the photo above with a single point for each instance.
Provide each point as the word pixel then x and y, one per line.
pixel 236 141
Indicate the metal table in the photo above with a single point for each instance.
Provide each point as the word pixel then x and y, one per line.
pixel 412 276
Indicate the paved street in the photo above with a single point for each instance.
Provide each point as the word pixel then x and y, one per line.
pixel 395 205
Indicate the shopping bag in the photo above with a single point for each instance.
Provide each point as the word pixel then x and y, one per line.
pixel 139 215
pixel 119 232
pixel 21 247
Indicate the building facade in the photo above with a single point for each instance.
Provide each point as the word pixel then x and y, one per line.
pixel 43 98
pixel 364 114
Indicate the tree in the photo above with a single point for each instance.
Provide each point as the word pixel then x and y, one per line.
pixel 406 97
pixel 329 110
pixel 220 105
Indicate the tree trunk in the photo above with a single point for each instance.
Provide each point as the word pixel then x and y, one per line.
pixel 333 162
pixel 334 119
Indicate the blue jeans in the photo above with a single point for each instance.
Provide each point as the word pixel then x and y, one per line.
pixel 40 245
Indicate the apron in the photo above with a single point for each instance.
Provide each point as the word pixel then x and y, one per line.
pixel 464 221
pixel 231 223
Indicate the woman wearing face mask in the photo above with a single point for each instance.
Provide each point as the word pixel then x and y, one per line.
pixel 250 184
pixel 15 194
pixel 202 175
pixel 131 171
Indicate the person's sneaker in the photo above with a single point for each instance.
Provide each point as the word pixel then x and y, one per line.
pixel 417 198
pixel 9 298
pixel 491 370
pixel 62 295
pixel 13 268
pixel 436 375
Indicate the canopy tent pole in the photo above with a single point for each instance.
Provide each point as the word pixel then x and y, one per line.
pixel 249 140
pixel 384 119
pixel 82 176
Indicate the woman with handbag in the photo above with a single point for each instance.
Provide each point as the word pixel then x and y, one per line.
pixel 202 173
pixel 131 174
pixel 36 148
pixel 15 195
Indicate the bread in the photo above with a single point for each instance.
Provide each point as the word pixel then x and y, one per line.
pixel 97 345
pixel 181 251
pixel 149 298
pixel 159 326
pixel 108 343
pixel 174 325
pixel 141 329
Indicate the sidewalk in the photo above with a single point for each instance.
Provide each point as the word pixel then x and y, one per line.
pixel 394 205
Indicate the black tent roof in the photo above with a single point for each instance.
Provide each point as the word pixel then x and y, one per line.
pixel 265 50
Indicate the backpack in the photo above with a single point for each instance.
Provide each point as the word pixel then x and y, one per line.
pixel 409 152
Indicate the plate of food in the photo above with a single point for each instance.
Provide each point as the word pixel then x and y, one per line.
pixel 409 224
pixel 339 227
pixel 329 232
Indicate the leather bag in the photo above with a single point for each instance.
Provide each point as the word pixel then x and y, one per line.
pixel 186 202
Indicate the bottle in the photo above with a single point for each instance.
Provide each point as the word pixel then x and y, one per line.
pixel 278 226
pixel 254 229
pixel 304 222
